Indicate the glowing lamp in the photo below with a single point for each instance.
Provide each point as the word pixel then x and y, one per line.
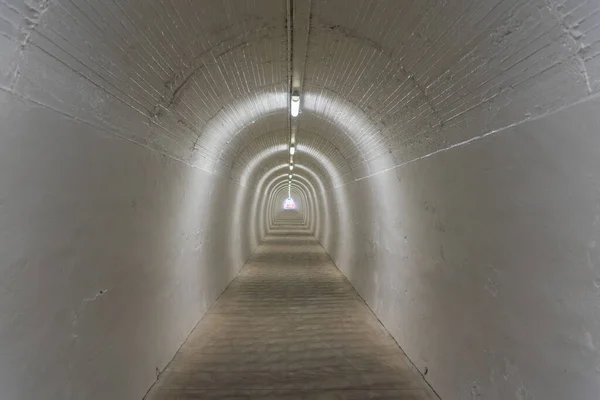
pixel 295 106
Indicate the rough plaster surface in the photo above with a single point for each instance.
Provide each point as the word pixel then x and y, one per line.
pixel 441 162
pixel 109 254
pixel 491 252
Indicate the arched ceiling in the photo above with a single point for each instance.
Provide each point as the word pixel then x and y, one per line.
pixel 208 83
pixel 382 83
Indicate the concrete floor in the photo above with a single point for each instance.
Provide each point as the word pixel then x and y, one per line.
pixel 290 326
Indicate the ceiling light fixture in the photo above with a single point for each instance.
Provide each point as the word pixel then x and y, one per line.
pixel 295 106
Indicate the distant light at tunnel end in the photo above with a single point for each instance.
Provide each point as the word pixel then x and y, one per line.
pixel 292 150
pixel 289 204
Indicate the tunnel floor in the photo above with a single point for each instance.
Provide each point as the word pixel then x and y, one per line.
pixel 290 326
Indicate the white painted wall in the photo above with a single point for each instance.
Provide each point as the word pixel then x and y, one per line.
pixel 120 126
pixel 109 255
pixel 483 260
pixel 112 242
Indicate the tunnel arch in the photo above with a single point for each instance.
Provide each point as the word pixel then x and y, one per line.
pixel 278 194
pixel 315 146
pixel 265 189
pixel 277 185
pixel 446 162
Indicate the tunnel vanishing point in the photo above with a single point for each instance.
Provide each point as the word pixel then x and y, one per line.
pixel 444 161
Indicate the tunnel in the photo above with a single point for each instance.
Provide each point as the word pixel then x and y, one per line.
pixel 442 157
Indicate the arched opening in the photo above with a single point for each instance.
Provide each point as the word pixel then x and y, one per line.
pixel 289 204
pixel 442 156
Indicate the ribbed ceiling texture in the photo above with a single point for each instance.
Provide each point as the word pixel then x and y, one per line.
pixel 442 147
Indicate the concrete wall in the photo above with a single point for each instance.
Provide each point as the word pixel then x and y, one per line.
pixel 109 255
pixel 471 226
pixel 447 160
pixel 483 260
pixel 112 243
